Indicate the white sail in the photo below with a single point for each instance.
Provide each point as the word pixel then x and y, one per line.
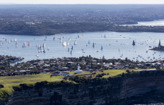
pixel 64 44
pixel 75 43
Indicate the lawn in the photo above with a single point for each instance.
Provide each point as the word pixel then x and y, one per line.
pixel 83 73
pixel 9 81
pixel 109 73
pixel 113 73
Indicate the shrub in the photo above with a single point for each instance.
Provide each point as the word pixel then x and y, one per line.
pixel 1 86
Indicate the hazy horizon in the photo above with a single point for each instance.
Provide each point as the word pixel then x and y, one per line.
pixel 81 2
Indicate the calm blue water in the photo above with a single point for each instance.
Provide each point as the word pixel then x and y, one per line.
pixel 107 44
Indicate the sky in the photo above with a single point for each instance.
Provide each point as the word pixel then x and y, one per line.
pixel 81 1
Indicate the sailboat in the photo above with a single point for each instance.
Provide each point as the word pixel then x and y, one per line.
pixel 53 38
pixel 44 51
pixel 68 42
pixel 101 48
pixel 75 43
pixel 28 44
pixel 44 47
pixel 39 48
pixel 64 44
pixel 24 44
pixel 93 45
pixel 15 40
pixel 82 50
pixel 72 48
pixel 133 43
pixel 37 55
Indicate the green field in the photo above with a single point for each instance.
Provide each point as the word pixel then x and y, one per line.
pixel 108 73
pixel 113 73
pixel 9 81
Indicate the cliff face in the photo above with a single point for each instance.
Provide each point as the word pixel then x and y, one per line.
pixel 145 88
pixel 139 89
pixel 31 97
pixel 141 85
pixel 98 93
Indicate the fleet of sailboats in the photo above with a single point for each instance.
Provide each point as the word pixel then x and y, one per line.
pixel 70 44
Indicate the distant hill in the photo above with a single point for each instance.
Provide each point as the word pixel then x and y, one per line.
pixel 52 19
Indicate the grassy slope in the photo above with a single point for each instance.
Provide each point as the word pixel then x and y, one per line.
pixel 9 81
pixel 113 73
pixel 109 73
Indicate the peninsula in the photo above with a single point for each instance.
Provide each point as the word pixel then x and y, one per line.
pixel 102 81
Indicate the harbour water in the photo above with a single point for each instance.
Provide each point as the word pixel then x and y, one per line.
pixel 148 23
pixel 97 44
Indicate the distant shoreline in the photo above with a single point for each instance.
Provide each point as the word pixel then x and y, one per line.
pixel 50 19
pixel 50 28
